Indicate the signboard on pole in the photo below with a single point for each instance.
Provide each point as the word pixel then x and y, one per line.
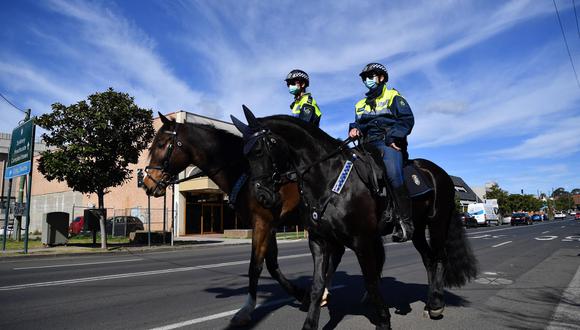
pixel 21 149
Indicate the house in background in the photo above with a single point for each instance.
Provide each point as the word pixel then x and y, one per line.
pixel 465 194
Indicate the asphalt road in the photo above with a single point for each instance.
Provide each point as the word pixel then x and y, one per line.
pixel 529 279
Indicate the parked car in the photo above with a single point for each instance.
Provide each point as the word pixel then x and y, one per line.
pixel 485 214
pixel 560 215
pixel 123 225
pixel 77 225
pixel 521 219
pixel 536 217
pixel 577 215
pixel 468 220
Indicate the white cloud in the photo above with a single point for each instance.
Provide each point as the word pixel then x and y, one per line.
pixel 559 139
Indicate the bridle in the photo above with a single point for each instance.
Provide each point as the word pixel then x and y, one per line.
pixel 167 178
pixel 267 185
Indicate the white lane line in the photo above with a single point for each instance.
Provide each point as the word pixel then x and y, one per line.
pixel 137 274
pixel 566 314
pixel 562 226
pixel 544 232
pixel 83 264
pixel 500 244
pixel 228 313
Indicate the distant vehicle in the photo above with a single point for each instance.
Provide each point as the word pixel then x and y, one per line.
pixel 485 214
pixel 572 212
pixel 521 218
pixel 559 215
pixel 468 220
pixel 506 220
pixel 536 217
pixel 77 225
pixel 123 225
pixel 577 215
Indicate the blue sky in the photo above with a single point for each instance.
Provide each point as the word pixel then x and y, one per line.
pixel 490 82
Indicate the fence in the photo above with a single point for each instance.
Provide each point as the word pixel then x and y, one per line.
pixel 121 222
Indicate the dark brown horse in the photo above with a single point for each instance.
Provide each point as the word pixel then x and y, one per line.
pixel 343 211
pixel 219 154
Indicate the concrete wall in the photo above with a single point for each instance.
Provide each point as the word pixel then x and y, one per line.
pixel 52 202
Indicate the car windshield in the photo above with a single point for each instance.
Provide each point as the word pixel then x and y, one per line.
pixel 519 215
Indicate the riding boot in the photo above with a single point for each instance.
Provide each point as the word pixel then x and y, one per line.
pixel 404 228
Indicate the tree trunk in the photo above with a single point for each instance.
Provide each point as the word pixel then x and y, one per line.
pixel 101 195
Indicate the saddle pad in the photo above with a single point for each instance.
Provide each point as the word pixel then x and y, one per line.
pixel 415 181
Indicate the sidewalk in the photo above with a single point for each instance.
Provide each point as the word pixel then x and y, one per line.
pixel 191 241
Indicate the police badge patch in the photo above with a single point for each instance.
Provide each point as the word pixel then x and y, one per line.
pixel 416 179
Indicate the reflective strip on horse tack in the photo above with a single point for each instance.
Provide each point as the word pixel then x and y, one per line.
pixel 342 177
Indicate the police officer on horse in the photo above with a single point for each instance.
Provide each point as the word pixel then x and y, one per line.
pixel 385 118
pixel 304 106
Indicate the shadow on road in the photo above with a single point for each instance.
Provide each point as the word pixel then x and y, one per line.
pixel 344 301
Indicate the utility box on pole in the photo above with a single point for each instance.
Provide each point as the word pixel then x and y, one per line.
pixel 55 228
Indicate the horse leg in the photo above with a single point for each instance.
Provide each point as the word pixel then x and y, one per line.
pixel 276 273
pixel 334 261
pixel 436 301
pixel 320 258
pixel 420 243
pixel 260 237
pixel 368 255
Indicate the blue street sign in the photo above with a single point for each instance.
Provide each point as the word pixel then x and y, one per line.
pixel 17 170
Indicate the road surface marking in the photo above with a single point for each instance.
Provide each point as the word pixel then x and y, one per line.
pixel 83 264
pixel 500 244
pixel 566 314
pixel 562 226
pixel 544 232
pixel 545 238
pixel 228 313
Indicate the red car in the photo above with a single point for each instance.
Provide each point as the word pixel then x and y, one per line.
pixel 577 215
pixel 76 226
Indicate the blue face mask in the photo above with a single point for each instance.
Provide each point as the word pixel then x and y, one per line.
pixel 370 83
pixel 293 89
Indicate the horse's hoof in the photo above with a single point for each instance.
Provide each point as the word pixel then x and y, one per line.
pixel 436 313
pixel 240 320
pixel 425 313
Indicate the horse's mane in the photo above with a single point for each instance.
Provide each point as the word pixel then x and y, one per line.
pixel 281 122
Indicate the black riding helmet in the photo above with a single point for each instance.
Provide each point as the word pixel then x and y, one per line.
pixel 374 68
pixel 298 75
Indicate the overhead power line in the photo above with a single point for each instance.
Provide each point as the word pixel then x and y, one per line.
pixel 566 42
pixel 12 104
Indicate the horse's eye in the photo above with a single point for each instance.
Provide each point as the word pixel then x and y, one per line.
pixel 160 144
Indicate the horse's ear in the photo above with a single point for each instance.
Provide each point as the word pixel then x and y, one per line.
pixel 250 116
pixel 164 119
pixel 243 128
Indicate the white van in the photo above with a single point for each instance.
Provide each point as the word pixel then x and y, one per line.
pixel 485 214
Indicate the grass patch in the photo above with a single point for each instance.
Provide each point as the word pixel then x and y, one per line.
pixel 79 240
pixel 291 235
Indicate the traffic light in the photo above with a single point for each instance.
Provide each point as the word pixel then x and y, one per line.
pixel 140 178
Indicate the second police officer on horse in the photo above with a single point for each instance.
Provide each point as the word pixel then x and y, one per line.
pixel 304 106
pixel 385 118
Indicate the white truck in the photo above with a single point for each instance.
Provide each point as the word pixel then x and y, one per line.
pixel 484 213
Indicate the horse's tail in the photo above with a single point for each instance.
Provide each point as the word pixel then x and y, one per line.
pixel 460 264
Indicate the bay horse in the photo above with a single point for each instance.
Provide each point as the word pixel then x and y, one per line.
pixel 219 154
pixel 282 149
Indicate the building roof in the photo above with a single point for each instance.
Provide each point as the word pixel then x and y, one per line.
pixel 463 191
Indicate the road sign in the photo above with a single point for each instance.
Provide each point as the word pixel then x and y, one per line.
pixel 20 154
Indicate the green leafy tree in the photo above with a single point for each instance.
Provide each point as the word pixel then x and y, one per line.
pixel 91 143
pixel 495 192
pixel 559 192
pixel 564 202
